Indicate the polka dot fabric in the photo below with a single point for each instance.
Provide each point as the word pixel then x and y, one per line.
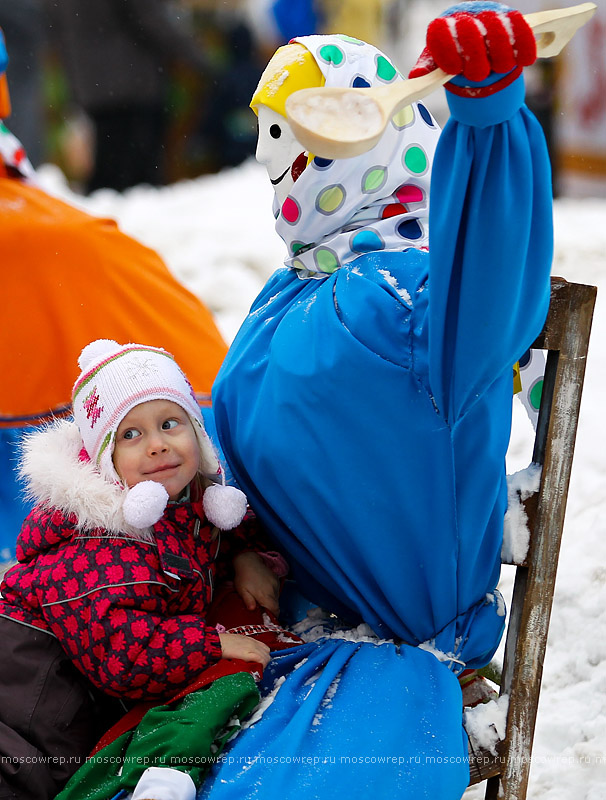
pixel 378 201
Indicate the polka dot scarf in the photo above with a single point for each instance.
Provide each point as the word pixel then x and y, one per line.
pixel 377 201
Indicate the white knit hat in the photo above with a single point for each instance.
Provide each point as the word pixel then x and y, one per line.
pixel 115 378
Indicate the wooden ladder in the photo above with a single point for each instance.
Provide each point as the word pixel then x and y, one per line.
pixel 565 337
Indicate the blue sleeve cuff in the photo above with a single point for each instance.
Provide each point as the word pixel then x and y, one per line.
pixel 481 112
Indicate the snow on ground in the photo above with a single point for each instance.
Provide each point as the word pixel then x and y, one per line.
pixel 216 234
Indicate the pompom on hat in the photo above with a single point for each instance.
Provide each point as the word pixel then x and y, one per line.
pixel 114 379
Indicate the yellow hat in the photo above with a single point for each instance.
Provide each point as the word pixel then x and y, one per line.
pixel 291 68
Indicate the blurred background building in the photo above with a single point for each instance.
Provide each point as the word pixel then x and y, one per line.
pixel 193 65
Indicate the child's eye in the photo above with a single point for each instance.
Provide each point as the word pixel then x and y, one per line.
pixel 169 424
pixel 131 433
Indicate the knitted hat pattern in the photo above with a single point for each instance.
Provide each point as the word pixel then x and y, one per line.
pixel 114 379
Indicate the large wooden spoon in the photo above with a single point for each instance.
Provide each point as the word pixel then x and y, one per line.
pixel 341 122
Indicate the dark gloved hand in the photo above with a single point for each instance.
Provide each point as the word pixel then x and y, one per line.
pixel 476 38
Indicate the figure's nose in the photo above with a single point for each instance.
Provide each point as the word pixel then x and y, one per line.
pixel 263 151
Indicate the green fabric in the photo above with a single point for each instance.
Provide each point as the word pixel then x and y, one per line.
pixel 186 735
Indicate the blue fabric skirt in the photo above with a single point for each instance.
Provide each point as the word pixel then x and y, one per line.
pixel 362 718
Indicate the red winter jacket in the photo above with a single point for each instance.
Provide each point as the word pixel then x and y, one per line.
pixel 129 612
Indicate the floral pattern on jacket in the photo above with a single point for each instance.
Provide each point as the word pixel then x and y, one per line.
pixel 129 613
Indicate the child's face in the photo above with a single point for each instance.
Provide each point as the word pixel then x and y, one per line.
pixel 156 442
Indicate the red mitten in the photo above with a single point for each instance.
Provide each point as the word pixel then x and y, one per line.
pixel 476 38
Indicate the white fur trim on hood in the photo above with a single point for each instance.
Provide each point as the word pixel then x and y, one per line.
pixel 56 478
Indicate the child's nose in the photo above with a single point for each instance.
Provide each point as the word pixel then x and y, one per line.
pixel 157 445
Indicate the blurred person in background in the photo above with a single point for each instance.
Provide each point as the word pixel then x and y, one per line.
pixel 117 55
pixel 225 129
pixel 276 22
pixel 212 127
pixel 23 24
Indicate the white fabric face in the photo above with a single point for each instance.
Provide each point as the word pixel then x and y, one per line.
pixel 378 201
pixel 278 151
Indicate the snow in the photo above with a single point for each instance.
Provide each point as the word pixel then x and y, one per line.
pixel 430 647
pixel 516 536
pixel 501 609
pixel 327 700
pixel 347 115
pixel 485 723
pixel 404 294
pixel 217 235
pixel 318 624
pixel 265 703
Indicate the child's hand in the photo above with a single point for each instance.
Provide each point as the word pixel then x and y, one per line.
pixel 256 583
pixel 244 647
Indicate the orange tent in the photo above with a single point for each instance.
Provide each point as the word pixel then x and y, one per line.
pixel 70 278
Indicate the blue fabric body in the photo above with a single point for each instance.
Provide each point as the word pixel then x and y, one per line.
pixel 367 417
pixel 13 508
pixel 370 436
pixel 349 717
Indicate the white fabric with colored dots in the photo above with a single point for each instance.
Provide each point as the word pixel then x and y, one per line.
pixel 375 202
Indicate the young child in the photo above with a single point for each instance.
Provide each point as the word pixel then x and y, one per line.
pixel 116 565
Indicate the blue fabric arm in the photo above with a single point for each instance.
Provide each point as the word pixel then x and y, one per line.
pixel 491 245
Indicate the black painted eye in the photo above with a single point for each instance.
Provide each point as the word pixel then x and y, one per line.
pixel 275 132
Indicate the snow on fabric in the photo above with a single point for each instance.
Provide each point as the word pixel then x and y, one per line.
pixel 328 725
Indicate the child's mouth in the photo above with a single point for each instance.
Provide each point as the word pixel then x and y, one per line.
pixel 164 468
